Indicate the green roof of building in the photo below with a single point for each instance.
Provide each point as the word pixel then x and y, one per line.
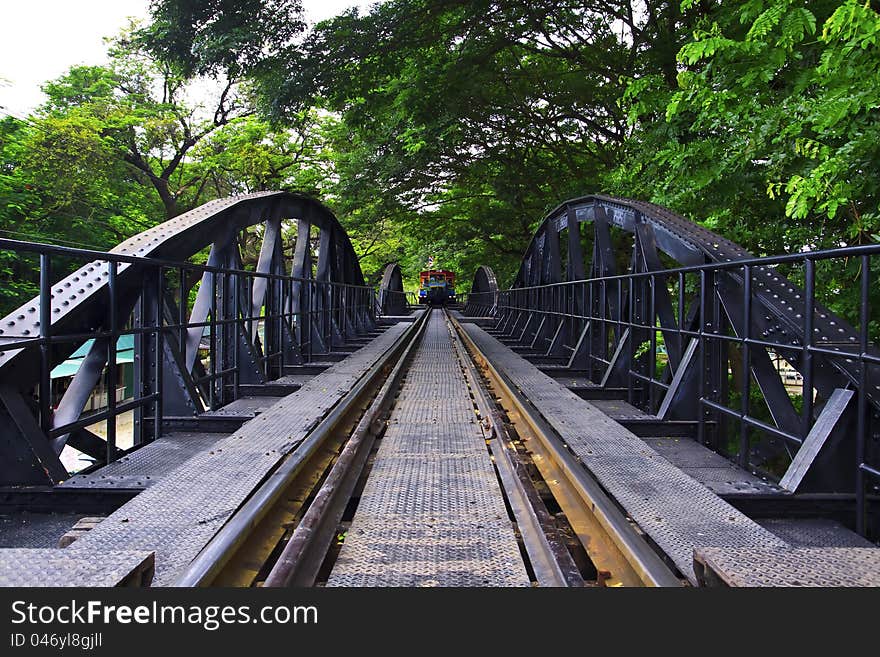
pixel 124 354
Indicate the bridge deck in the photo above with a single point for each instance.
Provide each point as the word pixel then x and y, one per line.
pixel 796 566
pixel 675 510
pixel 179 514
pixel 35 530
pixel 55 567
pixel 148 465
pixel 718 474
pixel 432 512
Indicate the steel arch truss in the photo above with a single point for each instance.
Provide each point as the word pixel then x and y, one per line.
pixel 199 331
pixel 654 282
pixel 482 300
pixel 392 298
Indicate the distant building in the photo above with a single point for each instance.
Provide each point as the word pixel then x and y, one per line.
pixel 63 374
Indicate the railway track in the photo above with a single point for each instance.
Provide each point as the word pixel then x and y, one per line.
pixel 431 472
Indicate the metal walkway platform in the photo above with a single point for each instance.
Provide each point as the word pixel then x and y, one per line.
pixel 178 515
pixel 149 464
pixel 432 512
pixel 35 530
pixel 720 475
pixel 62 567
pixel 675 510
pixel 750 567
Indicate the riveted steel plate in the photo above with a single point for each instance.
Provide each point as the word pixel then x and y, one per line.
pixel 147 465
pixel 429 391
pixel 732 481
pixel 719 475
pixel 432 512
pixel 422 413
pixel 64 567
pixel 294 379
pixel 436 371
pixel 434 368
pixel 35 530
pixel 676 511
pixel 177 516
pixel 619 409
pixel 686 453
pixel 434 439
pixel 420 553
pixel 455 484
pixel 426 383
pixel 843 566
pixel 576 382
pixel 244 406
pixel 814 532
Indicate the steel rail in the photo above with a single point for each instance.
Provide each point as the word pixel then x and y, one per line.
pixel 551 562
pixel 229 539
pixel 302 556
pixel 646 564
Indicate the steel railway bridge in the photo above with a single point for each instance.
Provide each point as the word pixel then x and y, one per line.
pixel 647 405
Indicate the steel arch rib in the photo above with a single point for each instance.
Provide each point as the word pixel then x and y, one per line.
pixel 778 304
pixel 483 297
pixel 391 297
pixel 78 301
pixel 79 307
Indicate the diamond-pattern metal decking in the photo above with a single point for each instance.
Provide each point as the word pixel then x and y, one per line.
pixel 752 567
pixel 246 405
pixel 177 516
pixel 35 530
pixel 147 465
pixel 814 532
pixel 715 472
pixel 432 511
pixel 619 409
pixel 63 567
pixel 676 511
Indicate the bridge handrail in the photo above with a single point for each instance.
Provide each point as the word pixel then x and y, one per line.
pixel 257 323
pixel 788 258
pixel 736 312
pixel 109 256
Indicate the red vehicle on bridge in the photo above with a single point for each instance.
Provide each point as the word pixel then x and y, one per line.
pixel 436 287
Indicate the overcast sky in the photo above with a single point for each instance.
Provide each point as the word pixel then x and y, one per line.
pixel 40 39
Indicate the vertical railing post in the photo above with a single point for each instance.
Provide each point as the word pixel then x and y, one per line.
pixel 701 379
pixel 113 303
pixel 862 422
pixel 237 330
pixel 718 364
pixel 590 305
pixel 745 384
pixel 681 311
pixel 603 325
pixel 807 357
pixel 140 368
pixel 652 322
pixel 269 339
pixel 212 347
pixel 45 387
pixel 160 353
pixel 251 327
pixel 633 338
pixel 182 312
